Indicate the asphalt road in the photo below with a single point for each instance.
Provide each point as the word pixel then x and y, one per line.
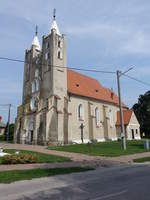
pixel 117 183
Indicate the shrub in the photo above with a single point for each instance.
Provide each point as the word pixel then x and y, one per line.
pixel 2 138
pixel 20 159
pixel 94 141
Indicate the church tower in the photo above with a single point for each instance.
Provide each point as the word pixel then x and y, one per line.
pixel 54 86
pixel 42 116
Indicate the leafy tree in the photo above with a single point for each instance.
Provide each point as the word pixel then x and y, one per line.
pixel 142 112
pixel 11 132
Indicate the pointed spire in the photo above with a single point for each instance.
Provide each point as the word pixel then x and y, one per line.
pixel 35 41
pixel 36 30
pixel 54 24
pixel 54 14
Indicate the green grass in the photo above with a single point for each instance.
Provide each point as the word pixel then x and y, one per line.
pixel 17 175
pixel 104 148
pixel 141 160
pixel 42 158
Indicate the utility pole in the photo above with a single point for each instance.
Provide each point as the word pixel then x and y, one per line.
pixel 9 107
pixel 123 140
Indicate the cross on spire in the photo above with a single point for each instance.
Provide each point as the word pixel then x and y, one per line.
pixel 54 14
pixel 36 30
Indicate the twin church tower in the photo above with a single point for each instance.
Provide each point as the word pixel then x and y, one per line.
pixel 44 90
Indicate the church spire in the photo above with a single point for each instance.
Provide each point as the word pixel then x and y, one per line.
pixel 36 30
pixel 35 41
pixel 54 14
pixel 54 23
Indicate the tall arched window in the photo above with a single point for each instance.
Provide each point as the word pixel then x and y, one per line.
pixel 97 117
pixel 37 84
pixel 33 86
pixel 59 54
pixel 80 112
pixel 111 118
pixel 36 73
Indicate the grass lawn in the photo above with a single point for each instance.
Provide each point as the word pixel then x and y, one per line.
pixel 42 158
pixel 109 148
pixel 17 175
pixel 141 160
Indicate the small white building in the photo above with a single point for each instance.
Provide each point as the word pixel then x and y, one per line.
pixel 131 124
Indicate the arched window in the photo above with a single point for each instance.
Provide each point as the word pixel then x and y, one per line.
pixel 37 84
pixel 36 73
pixel 111 118
pixel 33 86
pixel 97 117
pixel 80 112
pixel 59 43
pixel 59 54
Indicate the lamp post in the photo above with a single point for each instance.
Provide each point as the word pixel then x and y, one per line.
pixel 8 122
pixel 82 127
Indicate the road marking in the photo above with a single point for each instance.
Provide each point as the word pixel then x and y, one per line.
pixel 110 195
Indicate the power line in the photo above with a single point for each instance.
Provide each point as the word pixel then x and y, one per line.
pixel 74 68
pixel 4 104
pixel 137 80
pixel 55 66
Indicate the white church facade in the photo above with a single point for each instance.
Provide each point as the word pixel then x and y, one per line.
pixel 57 100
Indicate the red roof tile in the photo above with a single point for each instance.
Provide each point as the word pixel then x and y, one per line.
pixel 89 87
pixel 126 116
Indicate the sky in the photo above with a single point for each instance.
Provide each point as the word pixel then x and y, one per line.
pixel 101 34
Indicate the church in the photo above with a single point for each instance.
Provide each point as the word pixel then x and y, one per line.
pixel 62 106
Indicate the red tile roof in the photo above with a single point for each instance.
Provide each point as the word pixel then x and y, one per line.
pixel 82 85
pixel 126 116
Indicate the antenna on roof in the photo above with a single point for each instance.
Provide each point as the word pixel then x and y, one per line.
pixel 36 30
pixel 54 14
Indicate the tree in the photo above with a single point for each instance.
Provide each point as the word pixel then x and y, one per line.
pixel 11 132
pixel 142 112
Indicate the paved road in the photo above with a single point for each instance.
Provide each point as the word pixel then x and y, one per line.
pixel 117 183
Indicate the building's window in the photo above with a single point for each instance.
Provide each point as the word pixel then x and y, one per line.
pixel 47 56
pixel 59 43
pixel 47 45
pixel 36 73
pixel 111 118
pixel 33 86
pixel 37 84
pixel 59 54
pixel 136 131
pixel 80 112
pixel 97 117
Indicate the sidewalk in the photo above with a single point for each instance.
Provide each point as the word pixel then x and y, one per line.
pixel 130 158
pixel 78 160
pixel 43 149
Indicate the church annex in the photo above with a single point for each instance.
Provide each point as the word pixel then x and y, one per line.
pixel 57 100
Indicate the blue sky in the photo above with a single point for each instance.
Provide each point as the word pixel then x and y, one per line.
pixel 101 34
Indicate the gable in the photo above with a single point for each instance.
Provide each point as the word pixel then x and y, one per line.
pixel 133 119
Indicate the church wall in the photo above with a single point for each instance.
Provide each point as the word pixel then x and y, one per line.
pixel 74 131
